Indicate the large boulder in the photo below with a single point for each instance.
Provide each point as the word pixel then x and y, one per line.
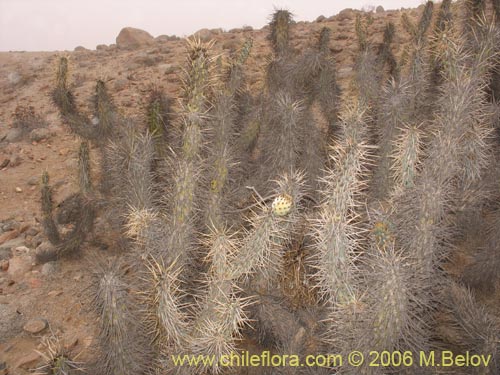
pixel 130 37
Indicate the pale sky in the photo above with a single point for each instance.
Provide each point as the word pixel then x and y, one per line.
pixel 48 25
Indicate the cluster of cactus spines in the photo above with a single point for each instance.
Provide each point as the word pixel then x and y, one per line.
pixel 418 68
pixel 222 309
pixel 280 140
pixel 406 156
pixel 280 32
pixel 336 234
pixel 280 42
pixel 158 119
pixel 57 360
pixel 182 199
pixel 393 114
pixel 367 73
pixel 131 159
pixel 443 22
pixel 386 58
pixel 271 228
pixel 483 273
pixel 121 336
pixel 476 330
pixel 222 154
pixel 98 130
pixel 70 243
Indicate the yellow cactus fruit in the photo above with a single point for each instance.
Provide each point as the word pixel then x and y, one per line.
pixel 282 205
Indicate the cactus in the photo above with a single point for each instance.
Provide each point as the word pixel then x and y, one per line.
pixel 394 113
pixel 367 74
pixel 222 313
pixel 120 336
pixel 223 154
pixel 280 32
pixel 476 330
pixel 336 234
pixel 72 242
pixel 57 360
pixel 385 56
pixel 406 157
pixel 158 120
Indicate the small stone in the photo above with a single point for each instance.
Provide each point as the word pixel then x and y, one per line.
pixel 35 326
pixel 19 266
pixel 33 181
pixel 16 160
pixel 18 189
pixel 14 135
pixel 7 236
pixel 5 253
pixel 28 360
pixel 4 163
pixel 14 78
pixel 167 68
pixel 32 231
pixel 64 151
pixel 55 293
pixel 120 84
pixel 4 265
pixel 35 283
pixel 40 134
pixel 50 268
pixel 22 250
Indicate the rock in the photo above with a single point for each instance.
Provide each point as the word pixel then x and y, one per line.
pixel 120 84
pixel 18 189
pixel 320 18
pixel 162 38
pixel 55 293
pixel 10 321
pixel 15 161
pixel 32 231
pixel 5 253
pixel 130 37
pixel 4 265
pixel 7 236
pixel 205 34
pixel 37 135
pixel 101 47
pixel 379 9
pixel 10 224
pixel 19 265
pixel 33 181
pixel 50 268
pixel 14 135
pixel 14 78
pixel 35 326
pixel 80 49
pixel 22 250
pixel 28 361
pixel 4 163
pixel 346 14
pixel 167 68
